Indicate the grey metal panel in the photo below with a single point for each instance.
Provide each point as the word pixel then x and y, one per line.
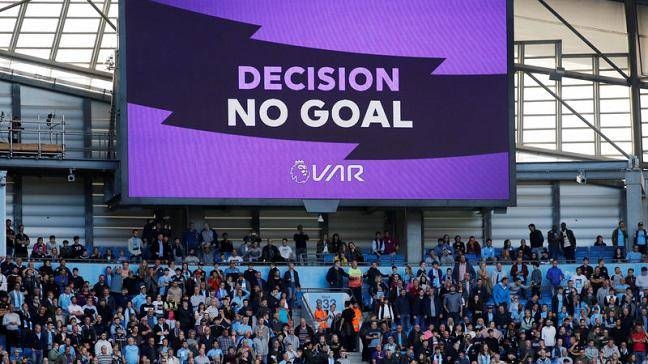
pixel 38 103
pixel 5 98
pixel 436 223
pixel 51 205
pixel 100 125
pixel 10 193
pixel 357 226
pixel 112 226
pixel 590 210
pixel 235 222
pixel 533 206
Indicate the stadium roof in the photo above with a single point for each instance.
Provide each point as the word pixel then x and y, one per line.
pixel 67 40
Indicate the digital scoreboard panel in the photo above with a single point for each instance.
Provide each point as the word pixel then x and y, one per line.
pixel 275 101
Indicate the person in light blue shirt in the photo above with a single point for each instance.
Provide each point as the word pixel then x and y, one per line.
pixel 634 256
pixel 501 293
pixel 183 353
pixel 641 238
pixel 140 299
pixel 131 352
pixel 488 252
pixel 65 299
pixel 215 353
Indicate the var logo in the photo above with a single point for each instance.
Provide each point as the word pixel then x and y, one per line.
pixel 300 172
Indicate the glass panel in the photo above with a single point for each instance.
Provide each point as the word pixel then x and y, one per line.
pixel 572 121
pixel 109 40
pixel 539 122
pixel 83 9
pixel 584 106
pixel 536 93
pixel 608 149
pixel 47 10
pixel 608 120
pixel 35 40
pixel 539 50
pixel 541 62
pixel 81 25
pixel 40 53
pixel 543 107
pixel 74 55
pixel 5 39
pixel 608 91
pixel 577 92
pixel 539 136
pixel 77 40
pixel 7 25
pixel 579 64
pixel 10 12
pixel 39 25
pixel 581 148
pixel 578 135
pixel 615 105
pixel 624 134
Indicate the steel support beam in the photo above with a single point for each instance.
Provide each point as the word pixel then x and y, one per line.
pixel 16 109
pixel 633 202
pixel 3 212
pixel 61 164
pixel 569 176
pixel 555 203
pixel 415 248
pixel 85 72
pixel 577 114
pixel 18 26
pixel 87 128
pixel 59 30
pixel 89 213
pixel 583 38
pixel 634 80
pixel 487 223
pixel 104 16
pixel 53 86
pixel 256 221
pixel 572 74
pixel 12 6
pixel 617 165
pixel 18 200
pixel 557 153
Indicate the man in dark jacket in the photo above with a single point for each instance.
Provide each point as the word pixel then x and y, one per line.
pixel 535 238
pixel 620 235
pixel 37 342
pixel 270 253
pixel 553 238
pixel 568 242
pixel 433 307
pixel 335 276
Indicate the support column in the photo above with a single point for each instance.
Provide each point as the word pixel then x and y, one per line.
pixel 89 213
pixel 18 200
pixel 15 103
pixel 414 233
pixel 555 203
pixel 3 212
pixel 324 225
pixel 87 128
pixel 487 224
pixel 634 80
pixel 633 211
pixel 256 221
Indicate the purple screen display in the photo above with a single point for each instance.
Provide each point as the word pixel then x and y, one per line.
pixel 320 99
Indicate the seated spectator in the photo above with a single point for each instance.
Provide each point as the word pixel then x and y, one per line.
pixel 473 247
pixel 191 258
pixel 635 255
pixel 488 252
pixel 619 255
pixel 254 252
pixel 285 251
pixel 599 241
pixel 391 245
pixel 378 244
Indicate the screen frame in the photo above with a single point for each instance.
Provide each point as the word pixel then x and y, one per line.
pixel 122 174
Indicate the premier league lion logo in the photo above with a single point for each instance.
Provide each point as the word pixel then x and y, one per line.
pixel 299 172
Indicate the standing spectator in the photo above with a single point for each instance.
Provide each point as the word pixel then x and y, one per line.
pixel 190 237
pixel 135 246
pixel 11 237
pixel 641 238
pixel 553 238
pixel 207 239
pixel 291 280
pixel 639 340
pixel 554 276
pixel 355 281
pixel 642 279
pixel 159 248
pixel 536 239
pixel 501 293
pixel 335 276
pixel 77 248
pixel 301 239
pixel 37 342
pixel 568 242
pixel 620 235
pixel 22 242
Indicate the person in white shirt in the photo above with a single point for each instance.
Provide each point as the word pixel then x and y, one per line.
pixel 74 308
pixel 235 257
pixel 135 245
pixel 642 279
pixel 579 280
pixel 103 342
pixel 3 283
pixel 378 244
pixel 285 250
pixel 548 335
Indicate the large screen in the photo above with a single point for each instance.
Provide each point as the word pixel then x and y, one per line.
pixel 403 101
